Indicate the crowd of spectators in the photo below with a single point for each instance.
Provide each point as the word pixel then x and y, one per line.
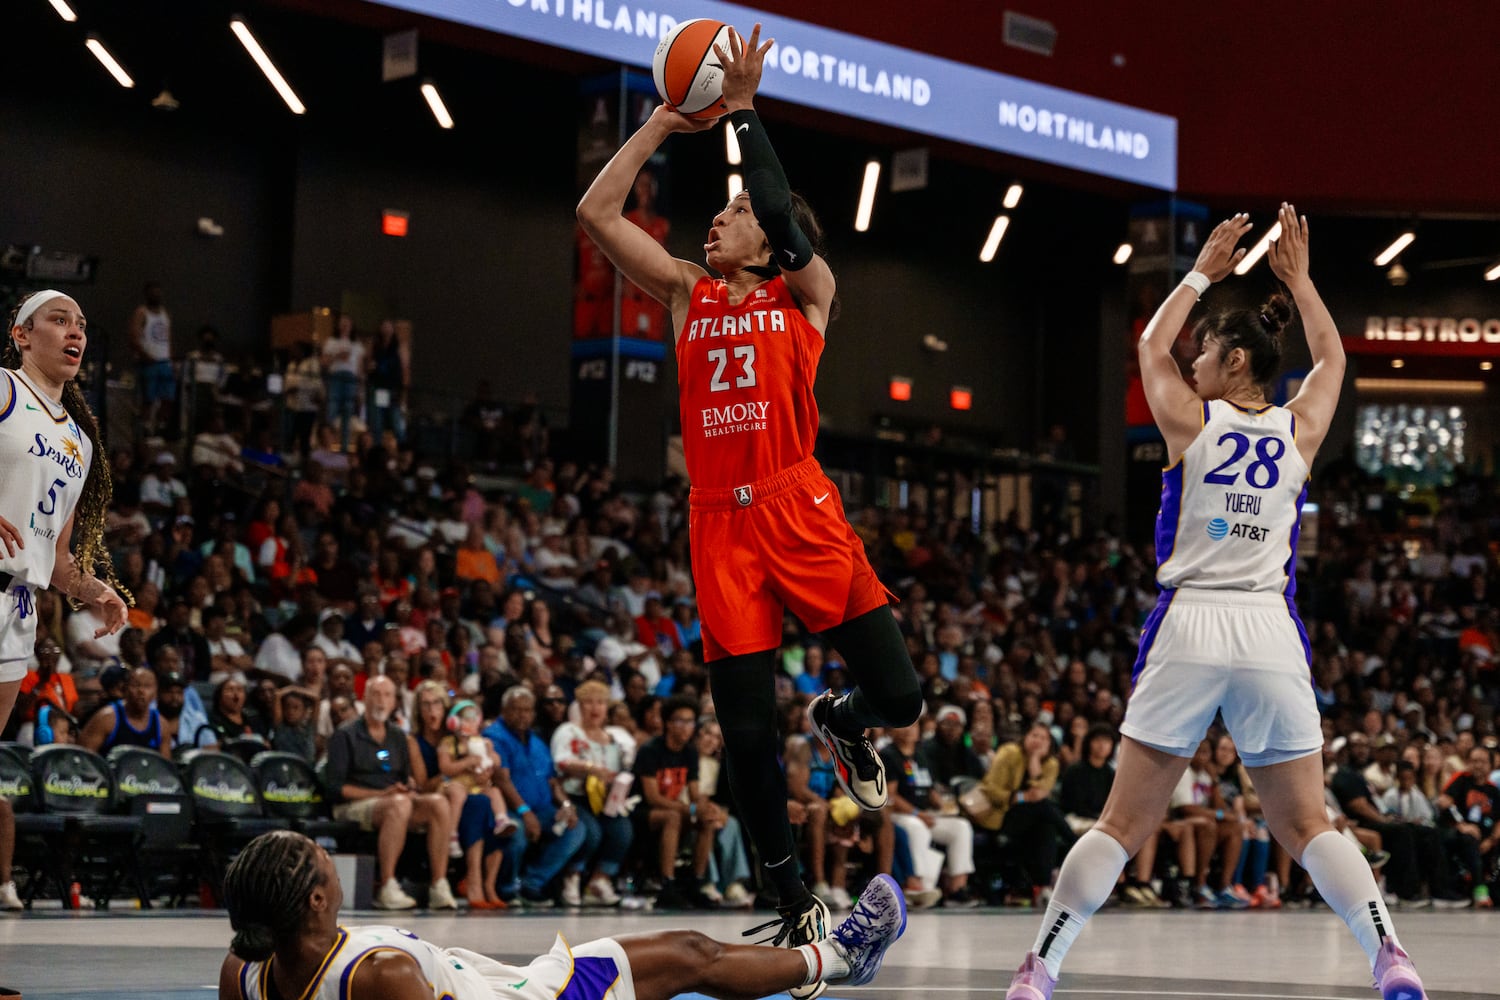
pixel 510 667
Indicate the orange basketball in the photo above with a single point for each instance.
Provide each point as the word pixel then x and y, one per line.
pixel 686 68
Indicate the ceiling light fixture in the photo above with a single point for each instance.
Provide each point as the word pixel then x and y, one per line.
pixel 1397 245
pixel 1258 250
pixel 109 62
pixel 867 197
pixel 435 102
pixel 63 10
pixel 1013 196
pixel 736 185
pixel 992 242
pixel 1492 273
pixel 1123 252
pixel 242 32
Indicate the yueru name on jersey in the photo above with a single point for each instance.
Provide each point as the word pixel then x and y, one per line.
pixel 753 321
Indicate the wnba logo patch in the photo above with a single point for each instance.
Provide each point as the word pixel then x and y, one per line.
pixel 742 494
pixel 1218 528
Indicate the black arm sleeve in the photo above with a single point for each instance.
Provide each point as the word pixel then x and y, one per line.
pixel 770 195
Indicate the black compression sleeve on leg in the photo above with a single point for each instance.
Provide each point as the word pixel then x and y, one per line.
pixel 886 692
pixel 744 693
pixel 770 195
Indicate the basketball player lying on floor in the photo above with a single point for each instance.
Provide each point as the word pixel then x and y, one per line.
pixel 283 898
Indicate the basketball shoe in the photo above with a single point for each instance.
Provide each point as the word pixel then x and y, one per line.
pixel 796 925
pixel 1395 977
pixel 878 919
pixel 1033 982
pixel 858 767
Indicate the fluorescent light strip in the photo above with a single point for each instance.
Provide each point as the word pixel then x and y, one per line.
pixel 867 197
pixel 63 10
pixel 736 185
pixel 1389 253
pixel 109 62
pixel 1416 386
pixel 1492 273
pixel 731 145
pixel 242 32
pixel 435 102
pixel 1259 250
pixel 1013 196
pixel 992 242
pixel 1123 252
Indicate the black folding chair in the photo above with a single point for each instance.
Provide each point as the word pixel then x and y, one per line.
pixel 97 846
pixel 292 789
pixel 151 787
pixel 34 859
pixel 229 807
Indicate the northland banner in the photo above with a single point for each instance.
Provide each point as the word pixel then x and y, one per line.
pixel 848 75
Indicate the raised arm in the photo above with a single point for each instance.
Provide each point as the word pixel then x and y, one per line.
pixel 1175 406
pixel 806 274
pixel 1319 396
pixel 633 250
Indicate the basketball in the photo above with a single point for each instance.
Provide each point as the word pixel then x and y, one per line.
pixel 686 68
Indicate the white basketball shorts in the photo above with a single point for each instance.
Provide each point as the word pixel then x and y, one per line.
pixel 1231 651
pixel 17 630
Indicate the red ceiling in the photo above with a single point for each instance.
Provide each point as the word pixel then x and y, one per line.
pixel 1384 107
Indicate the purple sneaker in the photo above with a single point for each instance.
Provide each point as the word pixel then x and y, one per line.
pixel 1395 977
pixel 1034 982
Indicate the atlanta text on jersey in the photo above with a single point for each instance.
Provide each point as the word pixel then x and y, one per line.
pixel 754 321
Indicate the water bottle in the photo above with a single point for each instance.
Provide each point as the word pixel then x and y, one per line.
pixel 75 896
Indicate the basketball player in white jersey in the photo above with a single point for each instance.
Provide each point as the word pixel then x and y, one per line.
pixel 283 898
pixel 48 440
pixel 1225 635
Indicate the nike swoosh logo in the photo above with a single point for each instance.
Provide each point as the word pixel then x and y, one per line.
pixel 743 128
pixel 706 300
pixel 33 409
pixel 516 986
pixel 819 500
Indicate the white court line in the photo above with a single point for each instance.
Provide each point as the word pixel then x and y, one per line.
pixel 1122 993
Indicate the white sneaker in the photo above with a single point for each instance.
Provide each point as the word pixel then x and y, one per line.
pixel 819 889
pixel 600 893
pixel 392 897
pixel 570 895
pixel 440 896
pixel 837 898
pixel 9 898
pixel 711 892
pixel 921 899
pixel 738 897
pixel 455 849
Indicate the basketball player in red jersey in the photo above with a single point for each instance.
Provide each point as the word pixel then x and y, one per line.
pixel 767 528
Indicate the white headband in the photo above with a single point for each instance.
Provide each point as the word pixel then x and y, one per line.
pixel 36 302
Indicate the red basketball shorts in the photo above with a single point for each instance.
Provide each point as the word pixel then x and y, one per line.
pixel 778 544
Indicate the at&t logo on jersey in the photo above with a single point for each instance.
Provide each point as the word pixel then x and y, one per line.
pixel 1219 529
pixel 735 418
pixel 69 456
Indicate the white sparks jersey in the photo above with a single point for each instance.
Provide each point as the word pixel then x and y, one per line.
pixel 1231 507
pixel 595 970
pixel 450 978
pixel 45 457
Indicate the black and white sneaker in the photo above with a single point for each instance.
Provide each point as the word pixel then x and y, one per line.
pixel 796 926
pixel 857 765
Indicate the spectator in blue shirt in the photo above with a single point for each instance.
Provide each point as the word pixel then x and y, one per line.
pixel 811 680
pixel 548 819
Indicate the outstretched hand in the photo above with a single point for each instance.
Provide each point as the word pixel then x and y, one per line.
pixel 1288 255
pixel 742 67
pixel 1218 256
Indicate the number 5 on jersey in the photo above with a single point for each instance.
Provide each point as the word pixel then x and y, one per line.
pixel 745 355
pixel 49 505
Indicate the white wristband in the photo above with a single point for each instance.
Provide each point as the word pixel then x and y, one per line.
pixel 1197 281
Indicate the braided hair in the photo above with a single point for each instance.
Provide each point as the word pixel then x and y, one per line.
pixel 91 552
pixel 266 889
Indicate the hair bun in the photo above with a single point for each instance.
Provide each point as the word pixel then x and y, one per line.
pixel 1276 314
pixel 253 943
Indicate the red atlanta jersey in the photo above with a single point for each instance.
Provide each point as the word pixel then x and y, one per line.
pixel 745 377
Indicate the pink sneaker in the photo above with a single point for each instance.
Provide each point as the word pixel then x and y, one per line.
pixel 1034 982
pixel 1395 977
